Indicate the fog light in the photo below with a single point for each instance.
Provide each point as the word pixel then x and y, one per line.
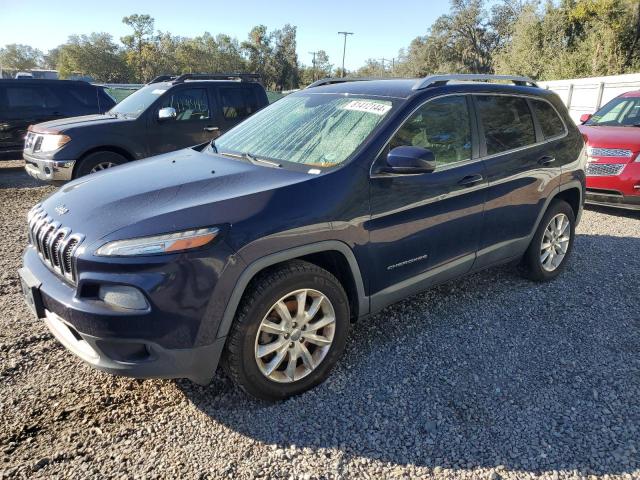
pixel 123 296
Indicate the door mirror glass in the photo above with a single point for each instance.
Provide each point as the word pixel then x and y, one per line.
pixel 167 113
pixel 410 160
pixel 585 117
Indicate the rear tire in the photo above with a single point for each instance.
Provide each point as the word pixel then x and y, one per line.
pixel 551 245
pixel 299 313
pixel 98 161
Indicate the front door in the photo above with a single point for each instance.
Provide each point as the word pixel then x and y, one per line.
pixel 193 124
pixel 424 228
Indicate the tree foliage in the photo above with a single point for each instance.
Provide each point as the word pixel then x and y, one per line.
pixel 95 55
pixel 16 56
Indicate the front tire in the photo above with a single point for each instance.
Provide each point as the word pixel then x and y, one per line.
pixel 551 245
pixel 97 161
pixel 290 330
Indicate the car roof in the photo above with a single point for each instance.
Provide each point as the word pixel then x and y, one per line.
pixel 404 88
pixel 633 93
pixel 42 81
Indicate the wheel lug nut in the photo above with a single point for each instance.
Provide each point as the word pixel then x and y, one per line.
pixel 286 335
pixel 291 345
pixel 294 324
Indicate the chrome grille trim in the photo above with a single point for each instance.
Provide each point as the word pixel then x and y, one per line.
pixel 56 245
pixel 604 169
pixel 608 152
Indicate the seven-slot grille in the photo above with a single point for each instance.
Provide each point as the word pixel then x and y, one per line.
pixel 55 244
pixel 608 152
pixel 604 169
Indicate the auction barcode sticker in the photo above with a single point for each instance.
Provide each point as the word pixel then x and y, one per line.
pixel 367 106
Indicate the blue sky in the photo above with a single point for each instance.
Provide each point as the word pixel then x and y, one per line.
pixel 381 27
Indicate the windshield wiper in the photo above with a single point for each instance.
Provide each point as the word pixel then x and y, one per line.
pixel 255 159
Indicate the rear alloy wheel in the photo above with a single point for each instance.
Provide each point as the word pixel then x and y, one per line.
pixel 98 161
pixel 290 330
pixel 551 244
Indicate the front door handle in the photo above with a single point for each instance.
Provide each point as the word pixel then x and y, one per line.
pixel 209 128
pixel 546 160
pixel 470 180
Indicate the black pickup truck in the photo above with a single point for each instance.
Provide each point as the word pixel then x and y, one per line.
pixel 167 114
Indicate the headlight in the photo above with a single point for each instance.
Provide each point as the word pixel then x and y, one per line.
pixel 52 142
pixel 168 243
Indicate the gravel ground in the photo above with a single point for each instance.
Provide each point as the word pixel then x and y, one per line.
pixel 488 377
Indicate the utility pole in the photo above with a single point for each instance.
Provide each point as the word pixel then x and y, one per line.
pixel 344 48
pixel 313 62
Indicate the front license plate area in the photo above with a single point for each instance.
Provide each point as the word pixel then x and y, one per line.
pixel 31 292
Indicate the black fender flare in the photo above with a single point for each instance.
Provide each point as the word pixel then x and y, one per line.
pixel 282 256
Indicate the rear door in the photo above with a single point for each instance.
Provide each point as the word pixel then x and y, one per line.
pixel 26 102
pixel 192 123
pixel 521 170
pixel 425 228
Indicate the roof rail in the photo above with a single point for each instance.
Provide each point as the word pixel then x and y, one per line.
pixel 332 80
pixel 243 77
pixel 438 80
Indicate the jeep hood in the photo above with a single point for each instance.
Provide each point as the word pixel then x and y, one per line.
pixel 172 192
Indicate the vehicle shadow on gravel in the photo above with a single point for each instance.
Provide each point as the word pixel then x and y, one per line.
pixel 490 370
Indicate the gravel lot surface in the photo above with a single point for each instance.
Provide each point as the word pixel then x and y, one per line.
pixel 488 377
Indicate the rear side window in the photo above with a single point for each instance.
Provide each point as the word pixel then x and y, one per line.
pixel 442 126
pixel 86 97
pixel 548 118
pixel 32 98
pixel 238 102
pixel 507 122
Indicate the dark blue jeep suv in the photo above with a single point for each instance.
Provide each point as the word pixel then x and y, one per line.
pixel 259 249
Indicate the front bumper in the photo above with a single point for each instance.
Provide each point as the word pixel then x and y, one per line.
pixel 55 171
pixel 608 198
pixel 621 190
pixel 147 344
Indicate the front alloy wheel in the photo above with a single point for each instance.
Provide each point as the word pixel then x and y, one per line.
pixel 295 335
pixel 290 330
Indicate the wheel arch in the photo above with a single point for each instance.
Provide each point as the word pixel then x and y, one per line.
pixel 332 255
pixel 103 148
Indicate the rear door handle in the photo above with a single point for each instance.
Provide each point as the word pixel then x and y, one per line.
pixel 470 180
pixel 211 129
pixel 546 160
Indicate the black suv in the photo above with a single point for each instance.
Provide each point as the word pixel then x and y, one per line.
pixel 167 114
pixel 262 248
pixel 25 102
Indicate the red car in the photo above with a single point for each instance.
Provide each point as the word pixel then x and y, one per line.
pixel 612 135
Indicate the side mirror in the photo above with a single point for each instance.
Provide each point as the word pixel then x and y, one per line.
pixel 167 113
pixel 410 160
pixel 585 117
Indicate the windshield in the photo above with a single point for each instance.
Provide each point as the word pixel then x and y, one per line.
pixel 322 130
pixel 139 101
pixel 619 112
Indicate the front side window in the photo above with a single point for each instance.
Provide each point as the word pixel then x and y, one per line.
pixel 548 118
pixel 619 112
pixel 190 104
pixel 443 126
pixel 322 130
pixel 507 122
pixel 32 98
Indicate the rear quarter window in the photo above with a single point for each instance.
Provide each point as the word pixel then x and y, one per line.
pixel 507 122
pixel 238 102
pixel 550 122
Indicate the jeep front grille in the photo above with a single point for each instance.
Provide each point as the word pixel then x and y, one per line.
pixel 604 169
pixel 608 152
pixel 54 243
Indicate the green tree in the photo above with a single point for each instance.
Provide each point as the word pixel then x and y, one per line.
pixel 138 43
pixel 285 58
pixel 16 56
pixel 95 55
pixel 259 52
